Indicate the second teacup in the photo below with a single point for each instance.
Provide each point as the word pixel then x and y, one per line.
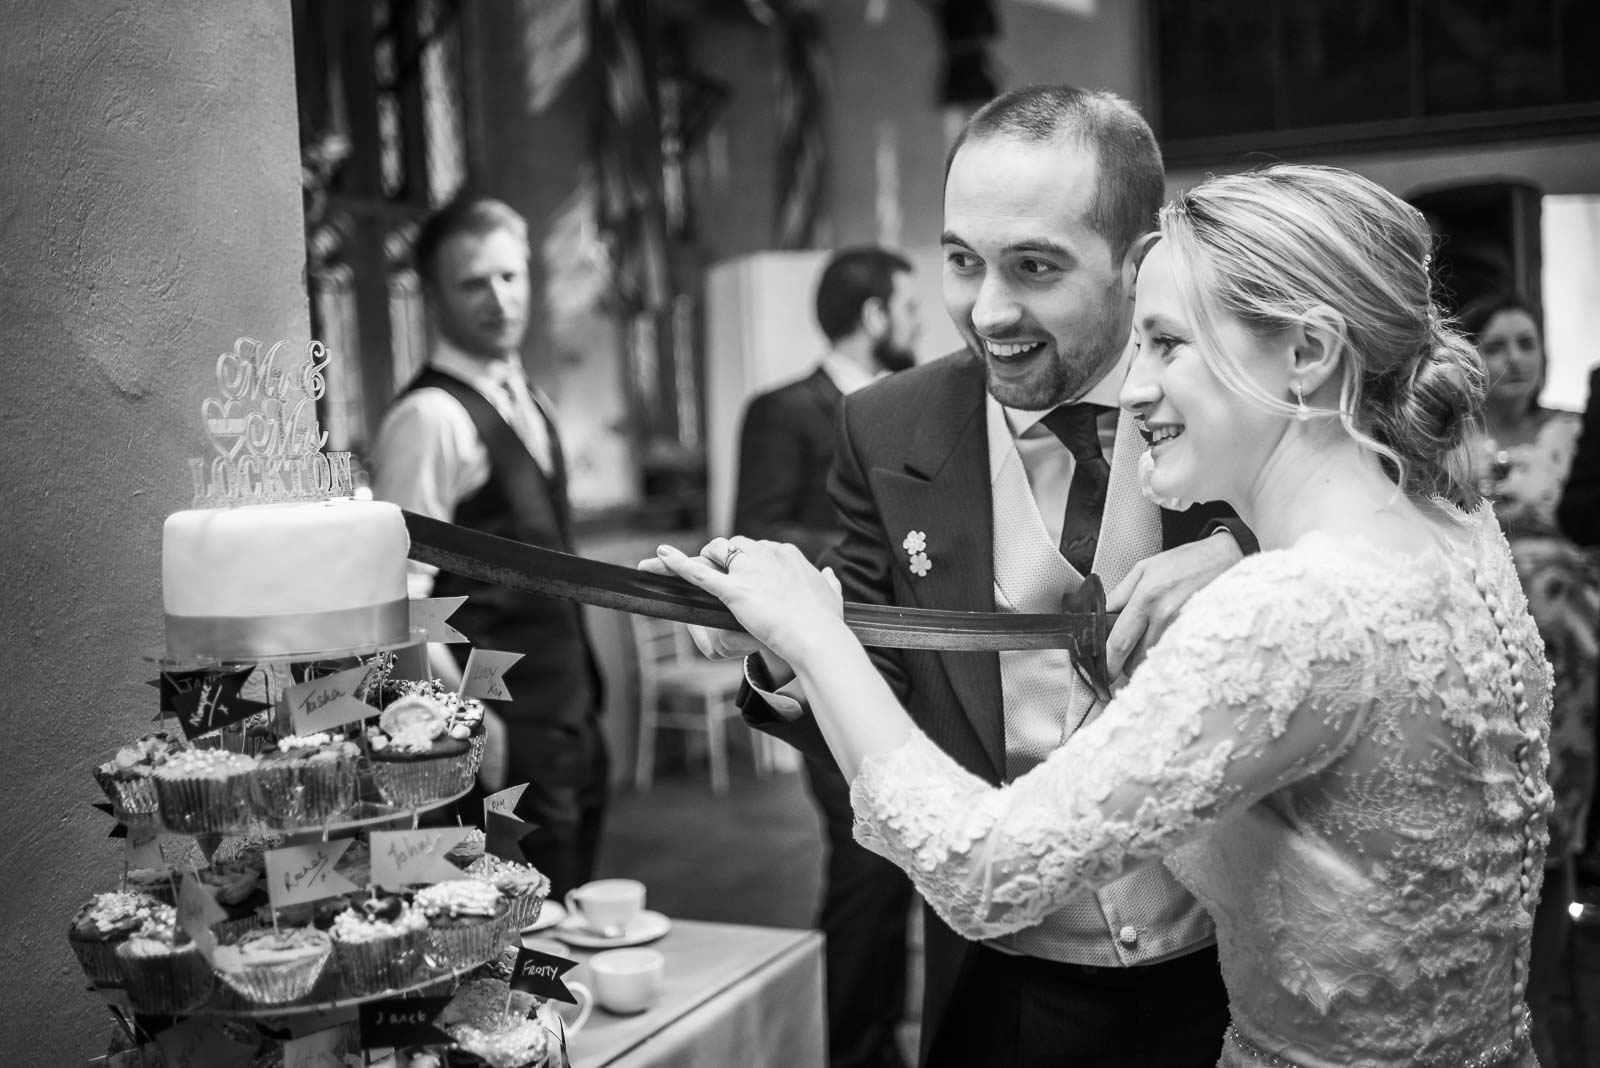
pixel 607 906
pixel 627 981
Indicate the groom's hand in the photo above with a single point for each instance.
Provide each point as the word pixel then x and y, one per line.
pixel 1156 590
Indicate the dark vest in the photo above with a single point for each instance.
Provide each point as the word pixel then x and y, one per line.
pixel 557 679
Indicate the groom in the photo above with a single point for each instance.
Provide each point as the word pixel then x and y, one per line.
pixel 995 479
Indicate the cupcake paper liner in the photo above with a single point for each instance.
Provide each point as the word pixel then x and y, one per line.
pixel 417 782
pixel 469 944
pixel 289 794
pixel 133 801
pixel 203 806
pixel 175 981
pixel 277 982
pixel 524 910
pixel 99 960
pixel 382 964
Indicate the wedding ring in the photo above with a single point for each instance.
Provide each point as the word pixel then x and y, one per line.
pixel 727 564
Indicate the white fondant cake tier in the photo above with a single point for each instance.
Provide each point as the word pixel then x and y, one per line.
pixel 281 579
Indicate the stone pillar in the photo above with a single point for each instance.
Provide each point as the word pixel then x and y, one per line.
pixel 150 213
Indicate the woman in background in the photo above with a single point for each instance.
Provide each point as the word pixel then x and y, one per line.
pixel 1523 468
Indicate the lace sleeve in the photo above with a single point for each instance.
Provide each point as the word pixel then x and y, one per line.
pixel 1260 682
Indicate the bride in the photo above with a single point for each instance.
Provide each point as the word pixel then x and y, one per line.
pixel 1340 744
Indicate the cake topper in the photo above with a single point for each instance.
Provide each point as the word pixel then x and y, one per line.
pixel 264 431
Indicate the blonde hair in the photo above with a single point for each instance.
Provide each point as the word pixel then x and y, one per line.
pixel 1318 246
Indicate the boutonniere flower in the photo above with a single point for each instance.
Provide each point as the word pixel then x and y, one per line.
pixel 915 545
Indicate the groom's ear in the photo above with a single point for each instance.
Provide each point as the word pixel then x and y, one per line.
pixel 1135 256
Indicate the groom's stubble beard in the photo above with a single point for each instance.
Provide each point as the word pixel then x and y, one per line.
pixel 1073 365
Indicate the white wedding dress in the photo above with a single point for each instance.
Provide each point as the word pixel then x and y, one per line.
pixel 1327 749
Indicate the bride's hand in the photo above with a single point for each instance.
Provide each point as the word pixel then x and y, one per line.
pixel 771 588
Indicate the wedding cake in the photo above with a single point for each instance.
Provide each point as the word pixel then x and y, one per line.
pixel 272 580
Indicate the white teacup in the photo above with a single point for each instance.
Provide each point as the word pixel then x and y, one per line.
pixel 607 906
pixel 627 980
pixel 572 1016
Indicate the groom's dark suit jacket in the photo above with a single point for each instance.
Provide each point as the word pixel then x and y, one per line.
pixel 913 455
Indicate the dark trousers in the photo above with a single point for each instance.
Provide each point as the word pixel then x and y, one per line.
pixel 865 903
pixel 568 784
pixel 1022 1012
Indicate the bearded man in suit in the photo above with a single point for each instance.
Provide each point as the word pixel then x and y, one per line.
pixel 996 479
pixel 867 309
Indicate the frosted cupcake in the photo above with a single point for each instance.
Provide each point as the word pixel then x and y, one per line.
pixel 417 755
pixel 487 1033
pixel 378 943
pixel 162 970
pixel 128 782
pixel 469 849
pixel 522 885
pixel 274 966
pixel 204 791
pixel 304 780
pixel 466 921
pixel 103 924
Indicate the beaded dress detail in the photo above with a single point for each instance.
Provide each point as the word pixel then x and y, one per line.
pixel 1341 753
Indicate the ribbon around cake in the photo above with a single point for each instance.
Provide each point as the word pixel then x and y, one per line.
pixel 243 638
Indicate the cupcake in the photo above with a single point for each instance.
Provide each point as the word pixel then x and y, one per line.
pixel 304 780
pixel 417 755
pixel 469 849
pixel 104 923
pixel 237 886
pixel 204 791
pixel 378 943
pixel 162 969
pixel 487 1034
pixel 127 779
pixel 466 921
pixel 522 885
pixel 274 966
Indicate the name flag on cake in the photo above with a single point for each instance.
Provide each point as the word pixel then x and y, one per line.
pixel 329 701
pixel 540 974
pixel 197 912
pixel 504 835
pixel 215 702
pixel 402 1022
pixel 428 614
pixel 503 802
pixel 142 849
pixel 305 873
pixel 484 674
pixel 403 858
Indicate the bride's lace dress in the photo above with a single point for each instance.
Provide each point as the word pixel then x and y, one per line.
pixel 1328 749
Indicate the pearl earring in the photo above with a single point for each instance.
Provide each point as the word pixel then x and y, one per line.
pixel 1301 412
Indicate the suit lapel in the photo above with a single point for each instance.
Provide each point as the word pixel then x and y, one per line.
pixel 942 490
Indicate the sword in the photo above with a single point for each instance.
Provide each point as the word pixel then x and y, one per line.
pixel 1081 627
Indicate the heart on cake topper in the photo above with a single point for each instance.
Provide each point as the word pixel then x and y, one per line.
pixel 225 425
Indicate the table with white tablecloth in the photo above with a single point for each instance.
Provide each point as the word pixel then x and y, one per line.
pixel 733 995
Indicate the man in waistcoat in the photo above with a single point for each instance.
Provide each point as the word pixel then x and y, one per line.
pixel 471 442
pixel 995 479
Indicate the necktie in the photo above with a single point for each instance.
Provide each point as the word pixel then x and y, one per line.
pixel 1077 427
pixel 528 420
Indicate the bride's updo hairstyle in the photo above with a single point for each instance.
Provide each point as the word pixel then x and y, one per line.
pixel 1320 246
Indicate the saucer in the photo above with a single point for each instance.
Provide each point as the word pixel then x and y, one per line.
pixel 647 927
pixel 550 914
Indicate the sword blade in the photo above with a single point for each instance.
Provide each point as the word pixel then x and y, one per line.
pixel 532 569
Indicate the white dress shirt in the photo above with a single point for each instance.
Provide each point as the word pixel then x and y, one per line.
pixel 428 457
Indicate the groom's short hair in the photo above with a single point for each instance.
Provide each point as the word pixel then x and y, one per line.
pixel 1130 184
